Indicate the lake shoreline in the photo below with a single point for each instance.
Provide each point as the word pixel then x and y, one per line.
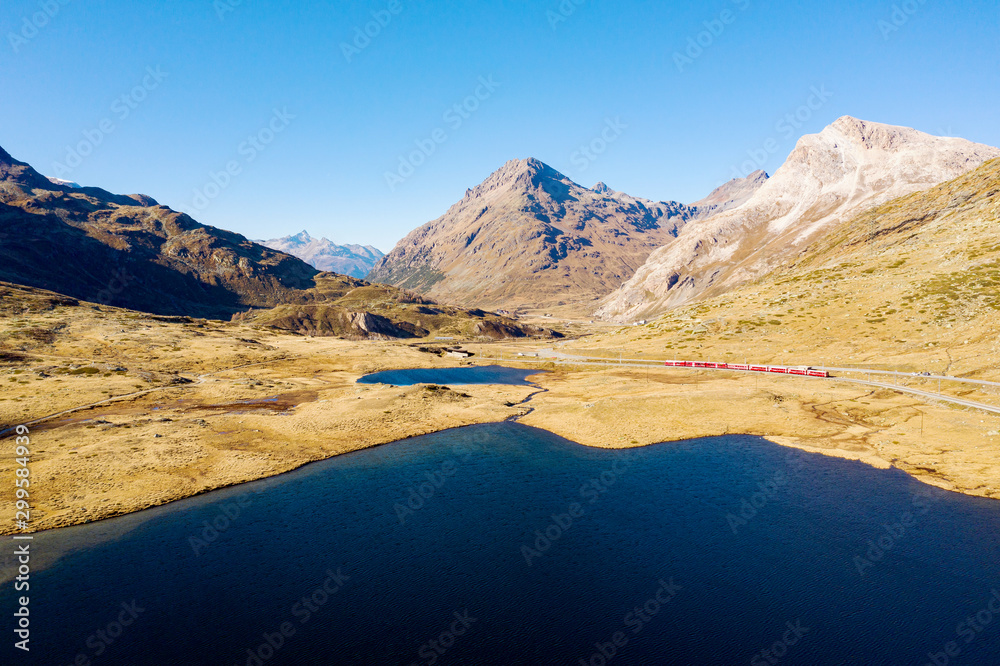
pixel 223 433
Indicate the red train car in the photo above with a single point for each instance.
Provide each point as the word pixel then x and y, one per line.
pixel 781 369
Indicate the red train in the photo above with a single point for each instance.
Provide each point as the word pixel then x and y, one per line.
pixel 782 369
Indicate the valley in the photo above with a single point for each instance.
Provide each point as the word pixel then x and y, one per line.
pixel 136 410
pixel 200 405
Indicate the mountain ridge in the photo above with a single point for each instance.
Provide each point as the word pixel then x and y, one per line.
pixel 527 236
pixel 130 251
pixel 88 246
pixel 828 177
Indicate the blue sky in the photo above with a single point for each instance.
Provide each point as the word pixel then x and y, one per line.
pixel 254 116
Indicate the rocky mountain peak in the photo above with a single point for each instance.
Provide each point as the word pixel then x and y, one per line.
pixel 828 178
pixel 65 183
pixel 25 177
pixel 129 251
pixel 516 176
pixel 872 135
pixel 732 194
pixel 22 173
pixel 528 236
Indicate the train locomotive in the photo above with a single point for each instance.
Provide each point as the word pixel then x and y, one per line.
pixel 804 371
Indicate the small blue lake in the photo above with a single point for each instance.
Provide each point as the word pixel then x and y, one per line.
pixel 505 544
pixel 482 374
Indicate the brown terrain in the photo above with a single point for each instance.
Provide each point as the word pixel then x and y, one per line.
pixel 528 237
pixel 159 408
pixel 347 307
pixel 131 252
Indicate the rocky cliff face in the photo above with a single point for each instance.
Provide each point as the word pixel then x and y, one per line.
pixel 850 166
pixel 530 237
pixel 131 252
pixel 325 255
pixel 730 195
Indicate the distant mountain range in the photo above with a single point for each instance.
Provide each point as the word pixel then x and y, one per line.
pixel 530 237
pixel 325 255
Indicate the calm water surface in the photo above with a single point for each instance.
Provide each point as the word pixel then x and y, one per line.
pixel 482 374
pixel 504 544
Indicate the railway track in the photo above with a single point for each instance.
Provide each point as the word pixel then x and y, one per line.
pixel 572 359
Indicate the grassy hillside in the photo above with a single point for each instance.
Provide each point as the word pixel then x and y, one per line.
pixel 911 285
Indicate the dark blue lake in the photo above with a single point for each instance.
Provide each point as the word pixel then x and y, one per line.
pixel 482 374
pixel 504 544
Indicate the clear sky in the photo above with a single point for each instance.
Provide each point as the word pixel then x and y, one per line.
pixel 155 97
